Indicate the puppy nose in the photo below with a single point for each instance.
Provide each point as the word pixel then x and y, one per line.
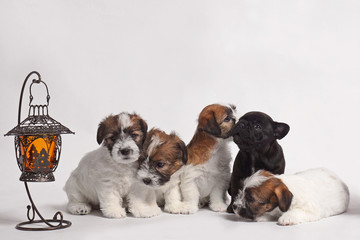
pixel 125 151
pixel 147 181
pixel 235 207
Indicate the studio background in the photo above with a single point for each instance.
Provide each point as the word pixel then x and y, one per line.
pixel 297 61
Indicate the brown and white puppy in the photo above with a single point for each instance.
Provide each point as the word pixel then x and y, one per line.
pixel 161 163
pixel 292 199
pixel 104 176
pixel 207 174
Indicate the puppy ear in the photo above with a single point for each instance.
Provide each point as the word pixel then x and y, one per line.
pixel 104 127
pixel 101 133
pixel 284 197
pixel 183 149
pixel 280 130
pixel 144 128
pixel 209 124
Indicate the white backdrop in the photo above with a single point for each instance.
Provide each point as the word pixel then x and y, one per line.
pixel 298 61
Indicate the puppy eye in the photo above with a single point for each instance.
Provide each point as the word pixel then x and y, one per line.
pixel 257 126
pixel 160 165
pixel 249 198
pixel 227 119
pixel 112 138
pixel 134 135
pixel 242 125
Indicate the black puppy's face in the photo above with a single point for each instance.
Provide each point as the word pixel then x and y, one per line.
pixel 256 129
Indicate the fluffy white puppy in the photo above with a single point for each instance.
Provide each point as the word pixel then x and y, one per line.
pixel 292 199
pixel 105 176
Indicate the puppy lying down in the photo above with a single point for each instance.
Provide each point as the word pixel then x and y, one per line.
pixel 292 199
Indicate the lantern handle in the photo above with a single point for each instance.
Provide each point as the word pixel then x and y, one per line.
pixel 22 91
pixel 47 91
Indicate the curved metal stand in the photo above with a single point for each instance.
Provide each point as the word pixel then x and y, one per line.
pixel 61 222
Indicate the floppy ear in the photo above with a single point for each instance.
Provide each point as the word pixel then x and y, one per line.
pixel 104 126
pixel 100 133
pixel 144 128
pixel 284 197
pixel 208 124
pixel 183 149
pixel 280 130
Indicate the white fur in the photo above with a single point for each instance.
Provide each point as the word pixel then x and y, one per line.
pixel 142 201
pixel 125 120
pixel 169 195
pixel 255 180
pixel 99 180
pixel 109 181
pixel 317 193
pixel 126 143
pixel 155 142
pixel 207 182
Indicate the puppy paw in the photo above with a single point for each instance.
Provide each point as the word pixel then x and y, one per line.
pixel 145 211
pixel 79 208
pixel 289 219
pixel 189 208
pixel 218 207
pixel 114 212
pixel 173 208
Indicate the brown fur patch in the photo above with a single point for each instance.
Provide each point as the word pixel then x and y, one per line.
pixel 212 124
pixel 109 125
pixel 269 195
pixel 200 148
pixel 171 152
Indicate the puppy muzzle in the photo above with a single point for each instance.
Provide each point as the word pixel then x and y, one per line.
pixel 243 212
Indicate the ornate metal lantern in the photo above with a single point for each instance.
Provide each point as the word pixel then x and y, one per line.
pixel 37 149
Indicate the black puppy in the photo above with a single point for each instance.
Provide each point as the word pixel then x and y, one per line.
pixel 255 134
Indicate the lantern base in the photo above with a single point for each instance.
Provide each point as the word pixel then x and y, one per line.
pixel 31 210
pixel 62 224
pixel 37 177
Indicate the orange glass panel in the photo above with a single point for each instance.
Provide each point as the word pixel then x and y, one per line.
pixel 40 152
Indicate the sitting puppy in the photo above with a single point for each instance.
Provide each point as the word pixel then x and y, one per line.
pixel 255 134
pixel 292 199
pixel 207 174
pixel 105 175
pixel 161 163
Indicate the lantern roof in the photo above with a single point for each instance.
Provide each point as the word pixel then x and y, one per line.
pixel 38 121
pixel 38 125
